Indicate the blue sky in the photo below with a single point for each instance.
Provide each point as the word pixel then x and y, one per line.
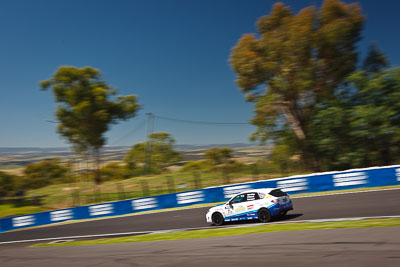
pixel 173 54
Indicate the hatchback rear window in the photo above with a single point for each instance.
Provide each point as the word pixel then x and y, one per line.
pixel 278 193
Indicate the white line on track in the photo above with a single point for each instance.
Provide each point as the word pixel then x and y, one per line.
pixel 199 228
pixel 103 235
pixel 68 238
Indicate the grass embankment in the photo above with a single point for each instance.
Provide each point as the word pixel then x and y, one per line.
pixel 234 231
pixel 9 210
pixel 213 204
pixel 59 196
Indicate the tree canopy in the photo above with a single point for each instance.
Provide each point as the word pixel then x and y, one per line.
pixel 87 106
pixel 7 183
pixel 375 60
pixel 43 173
pixel 362 127
pixel 294 62
pixel 158 152
pixel 218 155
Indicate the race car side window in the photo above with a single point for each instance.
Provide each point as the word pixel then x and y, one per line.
pixel 238 199
pixel 252 196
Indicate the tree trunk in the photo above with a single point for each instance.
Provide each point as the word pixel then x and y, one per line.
pixel 311 157
pixel 294 122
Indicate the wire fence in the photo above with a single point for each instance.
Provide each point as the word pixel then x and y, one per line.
pixel 144 189
pixel 80 194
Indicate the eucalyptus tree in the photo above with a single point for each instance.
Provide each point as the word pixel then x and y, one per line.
pixel 87 107
pixel 294 62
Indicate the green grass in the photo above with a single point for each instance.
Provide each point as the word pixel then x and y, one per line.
pixel 234 231
pixel 9 166
pixel 7 210
pixel 60 196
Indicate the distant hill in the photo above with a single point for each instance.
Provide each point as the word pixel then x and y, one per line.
pixel 66 150
pixel 20 150
pixel 205 147
pixel 25 155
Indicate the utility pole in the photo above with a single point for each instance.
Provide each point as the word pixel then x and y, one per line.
pixel 150 127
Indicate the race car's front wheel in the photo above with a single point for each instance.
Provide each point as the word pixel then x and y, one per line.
pixel 264 215
pixel 217 218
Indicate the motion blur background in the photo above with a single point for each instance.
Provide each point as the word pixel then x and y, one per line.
pixel 199 103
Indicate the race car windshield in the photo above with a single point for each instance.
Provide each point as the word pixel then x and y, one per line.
pixel 278 193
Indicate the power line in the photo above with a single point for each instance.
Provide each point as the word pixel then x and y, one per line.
pixel 204 122
pixel 131 132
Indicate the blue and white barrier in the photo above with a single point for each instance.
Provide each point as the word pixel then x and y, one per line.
pixel 318 182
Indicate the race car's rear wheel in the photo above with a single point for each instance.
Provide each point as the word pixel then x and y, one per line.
pixel 217 218
pixel 264 215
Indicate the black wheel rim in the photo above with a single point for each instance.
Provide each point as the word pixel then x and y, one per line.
pixel 264 215
pixel 217 219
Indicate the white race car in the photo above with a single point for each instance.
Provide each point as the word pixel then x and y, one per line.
pixel 262 204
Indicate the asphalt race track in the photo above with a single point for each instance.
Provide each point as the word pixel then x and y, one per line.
pixel 373 247
pixel 361 204
pixel 364 247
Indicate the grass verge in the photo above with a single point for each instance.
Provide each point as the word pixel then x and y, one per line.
pixel 60 196
pixel 7 210
pixel 234 231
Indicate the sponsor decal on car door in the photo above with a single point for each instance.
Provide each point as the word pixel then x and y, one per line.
pixel 238 206
pixel 238 209
pixel 252 205
pixel 228 210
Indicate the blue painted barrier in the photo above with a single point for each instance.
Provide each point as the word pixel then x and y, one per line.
pixel 318 182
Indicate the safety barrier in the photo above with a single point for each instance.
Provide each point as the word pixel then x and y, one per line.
pixel 318 182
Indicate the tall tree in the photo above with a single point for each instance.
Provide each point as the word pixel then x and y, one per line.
pixel 294 62
pixel 330 131
pixel 218 155
pixel 160 149
pixel 376 117
pixel 362 127
pixel 375 60
pixel 87 106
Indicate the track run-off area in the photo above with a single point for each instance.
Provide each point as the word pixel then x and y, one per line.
pixel 374 203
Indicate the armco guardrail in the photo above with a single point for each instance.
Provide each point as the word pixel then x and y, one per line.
pixel 318 182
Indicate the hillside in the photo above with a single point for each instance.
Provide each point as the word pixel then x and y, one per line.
pixel 12 159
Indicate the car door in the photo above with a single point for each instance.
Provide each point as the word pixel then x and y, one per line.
pixel 238 205
pixel 252 204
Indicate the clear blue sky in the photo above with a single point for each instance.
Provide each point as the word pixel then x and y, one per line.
pixel 173 54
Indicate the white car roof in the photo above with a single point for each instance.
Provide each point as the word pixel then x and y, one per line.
pixel 262 190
